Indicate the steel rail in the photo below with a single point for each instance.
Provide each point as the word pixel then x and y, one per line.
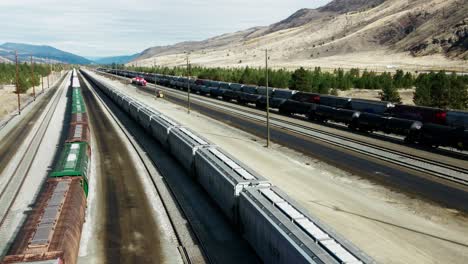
pixel 13 186
pixel 141 154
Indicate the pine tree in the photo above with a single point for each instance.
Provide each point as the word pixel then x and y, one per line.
pixel 422 95
pixel 300 80
pixel 389 91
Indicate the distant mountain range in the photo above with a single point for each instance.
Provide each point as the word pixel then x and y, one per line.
pixel 115 59
pixel 40 53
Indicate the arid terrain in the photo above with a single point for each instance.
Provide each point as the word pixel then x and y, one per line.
pixel 405 94
pixel 381 35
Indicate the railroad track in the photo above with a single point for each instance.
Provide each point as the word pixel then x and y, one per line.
pixel 12 187
pixel 187 258
pixel 433 168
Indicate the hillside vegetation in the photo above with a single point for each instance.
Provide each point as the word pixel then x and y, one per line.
pixel 8 74
pixel 415 35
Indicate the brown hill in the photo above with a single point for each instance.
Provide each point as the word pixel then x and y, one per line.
pixel 419 34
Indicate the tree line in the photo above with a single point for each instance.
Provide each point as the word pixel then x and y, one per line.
pixel 8 74
pixel 435 89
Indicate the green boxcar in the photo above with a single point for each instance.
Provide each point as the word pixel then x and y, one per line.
pixel 78 105
pixel 73 162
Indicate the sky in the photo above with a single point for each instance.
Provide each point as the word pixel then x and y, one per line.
pixel 98 28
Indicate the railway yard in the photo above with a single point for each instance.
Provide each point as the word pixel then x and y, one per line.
pixel 101 170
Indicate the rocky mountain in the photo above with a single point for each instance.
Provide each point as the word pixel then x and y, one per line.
pixel 116 59
pixel 413 29
pixel 40 53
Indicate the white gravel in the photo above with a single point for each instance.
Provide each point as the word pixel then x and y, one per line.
pixel 389 226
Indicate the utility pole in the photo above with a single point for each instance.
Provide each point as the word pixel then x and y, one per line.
pixel 155 88
pixel 188 84
pixel 17 84
pixel 267 100
pixel 48 84
pixel 32 78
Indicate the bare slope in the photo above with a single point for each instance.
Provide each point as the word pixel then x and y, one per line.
pixel 362 31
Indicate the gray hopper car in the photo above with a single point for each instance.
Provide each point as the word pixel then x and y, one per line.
pixel 135 108
pixel 145 115
pixel 282 233
pixel 183 143
pixel 160 127
pixel 224 178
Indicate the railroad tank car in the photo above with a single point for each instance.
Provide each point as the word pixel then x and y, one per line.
pixel 280 96
pixel 183 143
pixel 249 94
pixel 160 127
pixel 233 93
pixel 73 161
pixel 419 113
pixel 194 88
pixel 404 127
pixel 335 101
pixel 262 92
pixel 172 80
pixel 457 119
pixel 224 178
pixel 163 80
pixel 78 132
pixel 52 231
pixel 223 87
pixel 300 103
pixel 324 113
pixel 371 122
pixel 281 232
pixel 439 135
pixel 370 106
pixel 178 84
pixel 204 90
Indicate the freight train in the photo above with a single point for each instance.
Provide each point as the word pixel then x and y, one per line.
pixel 277 228
pixel 52 231
pixel 418 125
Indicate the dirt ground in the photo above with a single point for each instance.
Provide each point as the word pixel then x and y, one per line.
pixel 8 97
pixel 405 94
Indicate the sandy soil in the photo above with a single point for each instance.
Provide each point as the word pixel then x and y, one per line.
pixel 405 94
pixel 389 226
pixel 9 101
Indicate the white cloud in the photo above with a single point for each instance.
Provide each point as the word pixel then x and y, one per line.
pixel 116 27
